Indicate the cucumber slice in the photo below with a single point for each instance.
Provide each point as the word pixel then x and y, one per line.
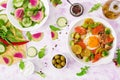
pixel 29 13
pixel 32 7
pixel 26 22
pixel 18 3
pixel 4 18
pixel 2 48
pixel 40 5
pixel 62 21
pixel 32 51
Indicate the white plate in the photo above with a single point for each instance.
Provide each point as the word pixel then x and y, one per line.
pixel 15 22
pixel 102 60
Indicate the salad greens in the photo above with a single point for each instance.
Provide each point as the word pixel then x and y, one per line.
pixel 22 65
pixel 83 71
pixel 95 7
pixel 28 12
pixel 56 2
pixel 53 28
pixel 41 53
pixel 9 33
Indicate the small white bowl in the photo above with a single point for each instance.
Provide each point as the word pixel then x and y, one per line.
pixel 102 60
pixel 62 67
pixel 28 69
pixel 15 22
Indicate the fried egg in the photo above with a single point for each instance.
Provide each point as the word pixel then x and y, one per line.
pixel 92 41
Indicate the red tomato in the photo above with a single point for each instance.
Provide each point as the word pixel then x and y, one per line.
pixel 97 57
pixel 80 30
pixel 82 44
pixel 97 29
pixel 109 40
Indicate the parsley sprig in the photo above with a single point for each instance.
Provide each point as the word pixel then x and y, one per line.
pixel 83 71
pixel 95 7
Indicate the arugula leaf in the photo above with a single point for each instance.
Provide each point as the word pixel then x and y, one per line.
pixel 118 56
pixel 54 28
pixel 29 35
pixel 95 7
pixel 41 74
pixel 41 53
pixel 22 65
pixel 1 22
pixel 83 71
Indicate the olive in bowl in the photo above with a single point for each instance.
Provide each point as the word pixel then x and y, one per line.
pixel 59 61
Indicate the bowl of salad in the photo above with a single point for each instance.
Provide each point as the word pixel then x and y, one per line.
pixel 92 41
pixel 27 15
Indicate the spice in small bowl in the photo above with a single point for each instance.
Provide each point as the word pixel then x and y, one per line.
pixel 76 9
pixel 59 61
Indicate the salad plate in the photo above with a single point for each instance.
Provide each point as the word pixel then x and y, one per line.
pixel 27 15
pixel 92 41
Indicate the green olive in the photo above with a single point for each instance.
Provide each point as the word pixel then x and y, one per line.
pixel 62 58
pixel 57 57
pixel 59 66
pixel 53 61
pixel 55 65
pixel 63 64
pixel 58 60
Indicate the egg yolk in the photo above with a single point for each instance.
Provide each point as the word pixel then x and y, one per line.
pixel 93 42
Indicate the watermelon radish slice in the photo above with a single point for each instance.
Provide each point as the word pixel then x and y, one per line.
pixel 19 13
pixel 3 4
pixel 8 59
pixel 37 36
pixel 18 55
pixel 54 35
pixel 34 2
pixel 38 17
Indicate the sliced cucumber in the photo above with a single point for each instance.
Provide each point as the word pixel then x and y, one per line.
pixel 4 18
pixel 32 51
pixel 61 21
pixel 2 48
pixel 26 22
pixel 29 13
pixel 32 7
pixel 40 5
pixel 18 3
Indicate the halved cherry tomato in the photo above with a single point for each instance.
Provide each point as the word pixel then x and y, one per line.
pixel 109 40
pixel 80 30
pixel 97 29
pixel 82 44
pixel 97 57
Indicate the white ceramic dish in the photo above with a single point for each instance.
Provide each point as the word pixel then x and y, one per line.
pixel 15 22
pixel 102 60
pixel 29 68
pixel 62 67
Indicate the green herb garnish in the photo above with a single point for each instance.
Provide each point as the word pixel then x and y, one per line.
pixel 41 53
pixel 53 28
pixel 107 31
pixel 84 70
pixel 22 65
pixel 118 56
pixel 29 35
pixel 56 2
pixel 95 7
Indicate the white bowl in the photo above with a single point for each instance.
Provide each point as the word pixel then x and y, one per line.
pixel 15 22
pixel 104 60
